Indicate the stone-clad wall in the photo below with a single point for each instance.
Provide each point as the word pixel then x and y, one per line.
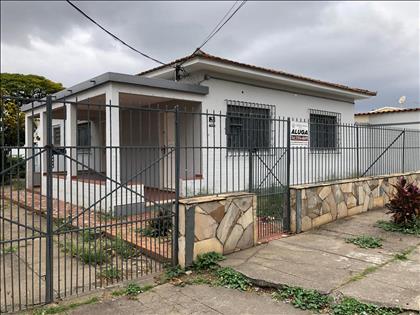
pixel 322 203
pixel 221 223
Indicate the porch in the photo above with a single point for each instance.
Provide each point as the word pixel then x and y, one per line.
pixel 114 144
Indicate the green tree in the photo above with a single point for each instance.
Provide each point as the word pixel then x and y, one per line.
pixel 12 120
pixel 26 88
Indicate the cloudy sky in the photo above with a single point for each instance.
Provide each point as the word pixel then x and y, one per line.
pixel 371 45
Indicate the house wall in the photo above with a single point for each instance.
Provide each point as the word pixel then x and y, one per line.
pixel 229 172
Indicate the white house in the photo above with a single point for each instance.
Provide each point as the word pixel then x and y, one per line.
pixel 119 128
pixel 391 116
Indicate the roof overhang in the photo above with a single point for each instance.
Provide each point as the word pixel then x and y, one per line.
pixel 125 79
pixel 219 65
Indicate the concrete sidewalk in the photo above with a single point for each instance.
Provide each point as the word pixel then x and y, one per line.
pixel 322 260
pixel 197 299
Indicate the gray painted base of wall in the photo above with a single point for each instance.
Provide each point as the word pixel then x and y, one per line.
pixel 130 209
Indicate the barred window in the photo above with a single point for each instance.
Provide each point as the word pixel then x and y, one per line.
pixel 83 135
pixel 323 129
pixel 57 136
pixel 247 127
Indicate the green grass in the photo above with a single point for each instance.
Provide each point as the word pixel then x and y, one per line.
pixel 350 306
pixel 64 308
pixel 365 241
pixel 229 278
pixel 303 299
pixel 413 229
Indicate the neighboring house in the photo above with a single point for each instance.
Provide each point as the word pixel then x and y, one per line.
pixel 391 116
pixel 225 91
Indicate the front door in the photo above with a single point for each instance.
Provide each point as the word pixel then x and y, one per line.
pixel 167 150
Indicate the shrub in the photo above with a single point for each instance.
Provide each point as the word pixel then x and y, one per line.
pixel 303 298
pixel 405 204
pixel 232 279
pixel 208 261
pixel 365 241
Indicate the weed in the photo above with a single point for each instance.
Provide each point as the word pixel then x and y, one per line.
pixel 8 249
pixel 365 272
pixel 111 273
pixel 90 235
pixel 208 261
pixel 123 248
pixel 92 256
pixel 200 280
pixel 303 298
pixel 400 256
pixel 229 278
pixel 412 229
pixel 173 272
pixel 160 225
pixel 63 308
pixel 134 289
pixel 365 241
pixel 350 306
pixel 403 255
pixel 18 184
pixel 64 224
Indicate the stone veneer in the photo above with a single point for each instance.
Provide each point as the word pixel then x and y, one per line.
pixel 221 223
pixel 319 204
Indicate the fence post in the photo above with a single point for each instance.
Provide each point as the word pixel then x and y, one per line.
pixel 250 170
pixel 177 175
pixel 286 214
pixel 49 237
pixel 403 153
pixel 357 152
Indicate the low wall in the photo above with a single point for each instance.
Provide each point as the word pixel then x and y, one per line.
pixel 221 223
pixel 314 205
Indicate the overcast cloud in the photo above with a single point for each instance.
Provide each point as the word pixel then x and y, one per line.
pixel 371 45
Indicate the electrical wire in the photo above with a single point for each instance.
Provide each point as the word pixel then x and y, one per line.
pixel 113 35
pixel 217 28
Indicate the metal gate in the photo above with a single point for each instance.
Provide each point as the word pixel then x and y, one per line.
pixel 84 204
pixel 269 179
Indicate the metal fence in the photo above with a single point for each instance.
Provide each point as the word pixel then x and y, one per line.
pixel 90 191
pixel 79 208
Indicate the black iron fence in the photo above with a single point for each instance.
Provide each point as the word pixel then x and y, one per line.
pixel 89 190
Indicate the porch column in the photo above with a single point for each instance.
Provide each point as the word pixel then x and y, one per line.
pixel 112 141
pixel 70 130
pixel 29 151
pixel 42 143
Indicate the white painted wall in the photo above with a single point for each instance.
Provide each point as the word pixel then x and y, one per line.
pixel 226 172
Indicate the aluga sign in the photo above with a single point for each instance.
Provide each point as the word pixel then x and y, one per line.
pixel 299 135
